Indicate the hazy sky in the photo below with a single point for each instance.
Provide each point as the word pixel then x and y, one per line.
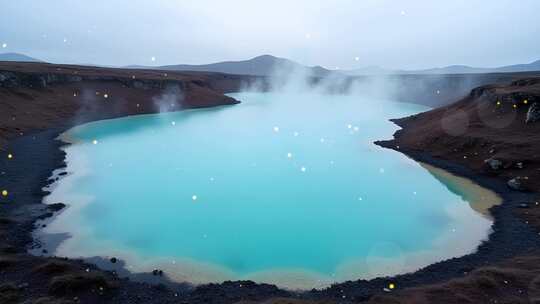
pixel 408 34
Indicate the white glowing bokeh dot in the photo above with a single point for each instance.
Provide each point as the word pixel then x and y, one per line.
pixel 289 155
pixel 153 58
pixel 276 129
pixel 4 45
pixel 296 133
pixel 194 197
pixel 303 169
pixel 349 126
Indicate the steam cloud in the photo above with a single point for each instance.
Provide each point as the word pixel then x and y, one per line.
pixel 428 89
pixel 299 80
pixel 170 100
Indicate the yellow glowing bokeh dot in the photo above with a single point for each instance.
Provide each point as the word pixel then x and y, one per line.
pixel 525 101
pixel 391 286
pixel 4 193
pixel 10 156
pixel 515 105
pixel 498 103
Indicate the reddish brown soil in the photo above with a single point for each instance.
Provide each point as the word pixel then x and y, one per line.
pixel 514 281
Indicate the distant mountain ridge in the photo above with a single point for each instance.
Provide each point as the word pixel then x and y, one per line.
pixel 452 69
pixel 267 65
pixel 263 65
pixel 17 57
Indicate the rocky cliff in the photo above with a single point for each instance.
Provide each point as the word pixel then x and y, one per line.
pixel 35 96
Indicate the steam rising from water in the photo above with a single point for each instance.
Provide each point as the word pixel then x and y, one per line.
pixel 431 89
pixel 170 100
pixel 299 80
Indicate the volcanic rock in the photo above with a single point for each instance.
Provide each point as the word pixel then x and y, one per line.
pixel 516 183
pixel 493 163
pixel 533 114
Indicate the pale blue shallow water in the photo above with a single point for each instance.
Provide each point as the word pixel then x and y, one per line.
pixel 256 210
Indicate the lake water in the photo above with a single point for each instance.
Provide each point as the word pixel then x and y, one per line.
pixel 282 188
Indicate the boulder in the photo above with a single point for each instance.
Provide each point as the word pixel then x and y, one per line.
pixel 72 78
pixel 493 163
pixel 516 183
pixel 52 268
pixel 533 114
pixel 56 206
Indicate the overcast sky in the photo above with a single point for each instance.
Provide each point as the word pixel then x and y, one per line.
pixel 335 33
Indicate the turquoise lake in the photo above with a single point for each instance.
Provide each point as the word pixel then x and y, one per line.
pixel 282 188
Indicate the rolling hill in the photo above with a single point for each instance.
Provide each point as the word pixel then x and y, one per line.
pixel 17 57
pixel 452 69
pixel 261 66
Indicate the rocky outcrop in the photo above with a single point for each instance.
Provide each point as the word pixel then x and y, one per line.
pixel 9 79
pixel 493 163
pixel 516 183
pixel 533 114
